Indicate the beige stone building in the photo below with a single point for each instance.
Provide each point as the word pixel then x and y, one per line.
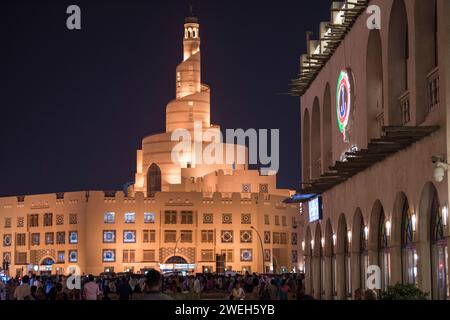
pixel 375 110
pixel 176 215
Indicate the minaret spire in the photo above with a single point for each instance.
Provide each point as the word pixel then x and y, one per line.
pixel 191 18
pixel 191 14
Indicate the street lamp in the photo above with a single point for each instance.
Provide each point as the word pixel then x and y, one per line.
pixel 175 251
pixel 262 248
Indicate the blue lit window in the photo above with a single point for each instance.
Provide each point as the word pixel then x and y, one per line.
pixel 110 217
pixel 129 236
pixel 149 217
pixel 130 217
pixel 73 256
pixel 109 255
pixel 73 237
pixel 109 237
pixel 61 256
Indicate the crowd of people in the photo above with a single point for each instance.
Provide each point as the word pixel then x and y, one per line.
pixel 154 286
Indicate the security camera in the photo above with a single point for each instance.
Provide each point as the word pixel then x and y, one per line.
pixel 439 168
pixel 436 159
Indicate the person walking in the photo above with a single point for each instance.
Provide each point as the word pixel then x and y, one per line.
pixel 197 288
pixel 2 290
pixel 237 293
pixel 124 290
pixel 23 291
pixel 91 291
pixel 153 287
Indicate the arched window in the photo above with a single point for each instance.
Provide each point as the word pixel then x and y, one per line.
pixel 347 266
pixel 409 249
pixel 322 271
pixel 384 252
pixel 439 250
pixel 153 180
pixel 176 260
pixel 319 263
pixel 363 254
pixel 333 269
pixel 330 258
pixel 308 258
pixel 344 286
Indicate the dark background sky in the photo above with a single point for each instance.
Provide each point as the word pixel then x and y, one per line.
pixel 75 105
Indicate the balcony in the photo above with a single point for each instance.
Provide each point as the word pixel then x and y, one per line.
pixel 405 115
pixel 380 121
pixel 433 89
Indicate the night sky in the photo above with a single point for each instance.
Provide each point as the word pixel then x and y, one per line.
pixel 76 104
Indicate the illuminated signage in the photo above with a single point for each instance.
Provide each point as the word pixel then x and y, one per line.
pixel 170 266
pixel 315 209
pixel 343 102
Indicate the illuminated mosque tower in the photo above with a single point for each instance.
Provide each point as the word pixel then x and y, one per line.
pixel 155 169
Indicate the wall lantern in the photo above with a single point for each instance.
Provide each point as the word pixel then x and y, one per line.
pixel 445 215
pixel 388 228
pixel 312 244
pixel 349 237
pixel 334 239
pixel 322 242
pixel 366 233
pixel 303 245
pixel 414 222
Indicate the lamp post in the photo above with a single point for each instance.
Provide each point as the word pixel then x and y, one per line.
pixel 262 248
pixel 175 251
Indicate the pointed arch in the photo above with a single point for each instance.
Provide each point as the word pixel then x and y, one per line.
pixel 316 141
pixel 403 234
pixel 309 273
pixel 379 244
pixel 306 150
pixel 398 56
pixel 327 152
pixel 343 260
pixel 330 254
pixel 374 73
pixel 359 247
pixel 431 233
pixel 426 31
pixel 318 263
pixel 153 179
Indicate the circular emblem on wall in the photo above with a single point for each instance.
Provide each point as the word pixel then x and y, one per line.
pixel 246 188
pixel 6 257
pixel 246 255
pixel 266 236
pixel 7 240
pixel 246 236
pixel 343 102
pixel 73 256
pixel 227 218
pixel 207 218
pixel 246 219
pixel 227 236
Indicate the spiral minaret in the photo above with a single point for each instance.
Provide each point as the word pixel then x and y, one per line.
pixel 192 101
